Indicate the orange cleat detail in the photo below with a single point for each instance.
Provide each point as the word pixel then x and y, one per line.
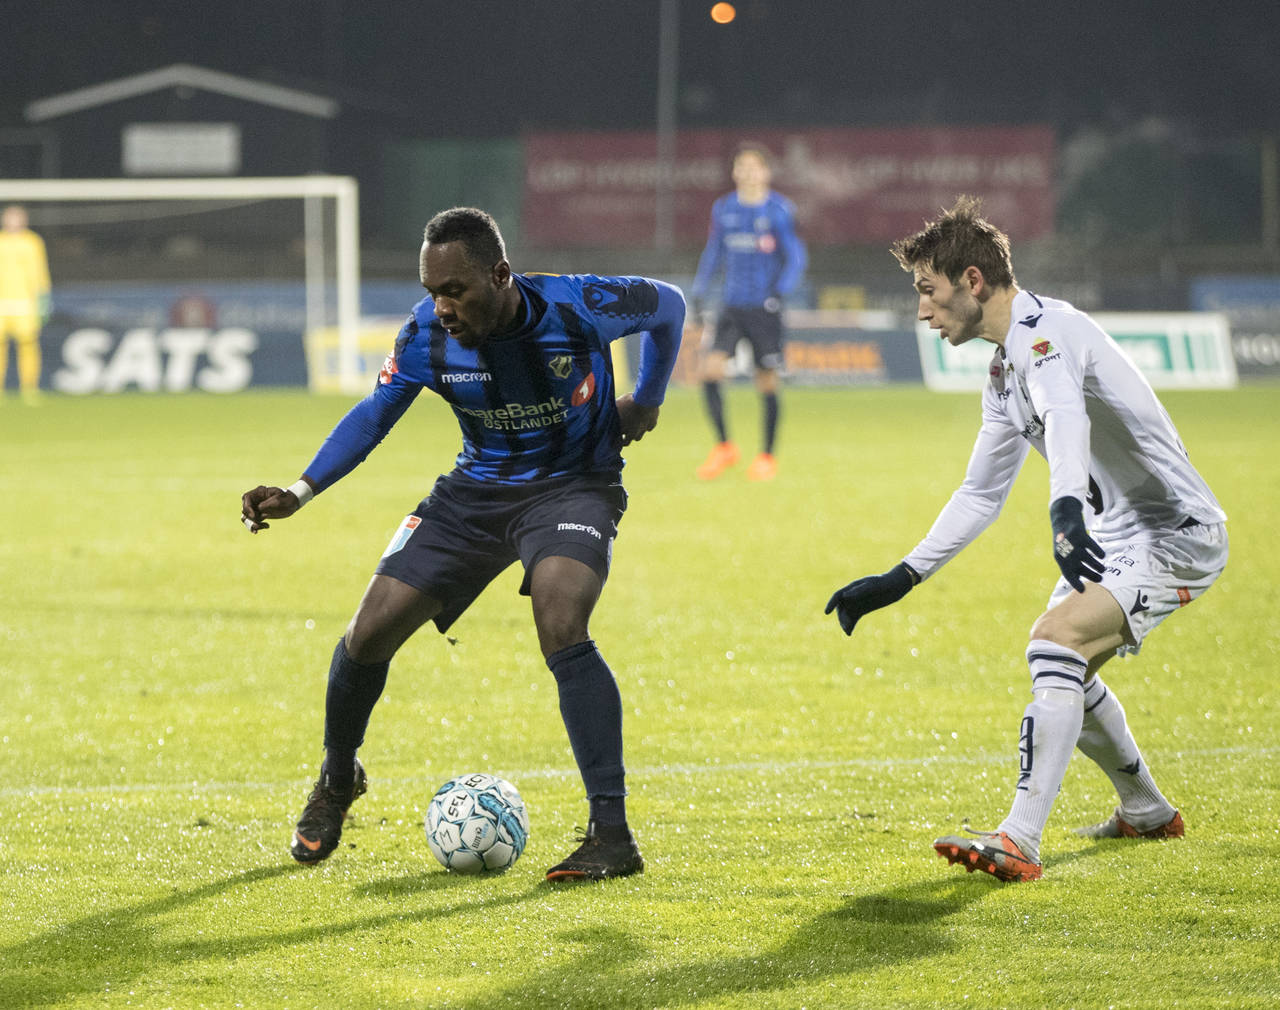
pixel 992 852
pixel 763 467
pixel 1173 829
pixel 721 457
pixel 1116 826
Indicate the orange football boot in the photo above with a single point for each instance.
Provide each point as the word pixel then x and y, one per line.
pixel 763 467
pixel 992 852
pixel 721 457
pixel 1117 827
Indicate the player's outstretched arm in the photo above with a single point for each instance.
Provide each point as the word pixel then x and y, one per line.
pixel 263 503
pixel 869 593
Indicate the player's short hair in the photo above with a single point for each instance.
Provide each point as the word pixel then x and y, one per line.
pixel 474 228
pixel 756 148
pixel 959 239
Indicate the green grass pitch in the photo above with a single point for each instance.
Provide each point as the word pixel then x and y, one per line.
pixel 162 679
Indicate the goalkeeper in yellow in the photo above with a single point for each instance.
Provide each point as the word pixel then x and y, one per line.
pixel 24 298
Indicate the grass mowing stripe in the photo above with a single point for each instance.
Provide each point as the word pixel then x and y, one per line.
pixel 683 770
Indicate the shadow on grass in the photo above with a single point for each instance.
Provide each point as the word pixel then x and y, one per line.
pixel 113 947
pixel 864 933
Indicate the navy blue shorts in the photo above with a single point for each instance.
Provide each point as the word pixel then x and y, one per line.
pixel 466 532
pixel 758 326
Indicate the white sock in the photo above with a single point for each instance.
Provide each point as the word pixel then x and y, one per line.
pixel 1105 738
pixel 1050 729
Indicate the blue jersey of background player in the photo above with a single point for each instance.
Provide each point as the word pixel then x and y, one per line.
pixel 753 237
pixel 524 363
pixel 757 246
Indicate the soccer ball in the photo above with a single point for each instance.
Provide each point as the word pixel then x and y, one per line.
pixel 477 823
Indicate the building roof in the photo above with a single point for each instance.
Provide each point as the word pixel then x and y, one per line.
pixel 181 75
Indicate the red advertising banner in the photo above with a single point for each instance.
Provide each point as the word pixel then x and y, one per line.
pixel 850 186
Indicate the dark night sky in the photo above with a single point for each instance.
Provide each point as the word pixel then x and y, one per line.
pixel 493 68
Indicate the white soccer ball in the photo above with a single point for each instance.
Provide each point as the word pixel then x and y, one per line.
pixel 477 823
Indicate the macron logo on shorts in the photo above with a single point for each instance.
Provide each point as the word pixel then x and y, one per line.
pixel 579 528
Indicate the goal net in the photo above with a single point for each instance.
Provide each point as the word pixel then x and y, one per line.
pixel 214 284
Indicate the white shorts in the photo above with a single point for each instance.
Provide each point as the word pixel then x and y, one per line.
pixel 1151 579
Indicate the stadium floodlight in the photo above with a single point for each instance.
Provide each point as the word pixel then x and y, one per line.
pixel 312 190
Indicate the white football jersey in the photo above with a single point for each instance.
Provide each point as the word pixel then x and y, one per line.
pixel 1063 386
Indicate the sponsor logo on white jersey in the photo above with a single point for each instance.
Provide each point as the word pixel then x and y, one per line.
pixel 1044 351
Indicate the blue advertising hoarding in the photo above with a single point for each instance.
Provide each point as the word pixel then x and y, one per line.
pixel 1252 304
pixel 217 337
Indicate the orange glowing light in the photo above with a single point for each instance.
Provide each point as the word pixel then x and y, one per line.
pixel 723 13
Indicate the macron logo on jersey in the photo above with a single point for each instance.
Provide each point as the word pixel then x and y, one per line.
pixel 466 377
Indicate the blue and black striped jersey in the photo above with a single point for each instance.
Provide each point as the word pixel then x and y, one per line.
pixel 536 403
pixel 758 247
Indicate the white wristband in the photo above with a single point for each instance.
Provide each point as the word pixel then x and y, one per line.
pixel 302 491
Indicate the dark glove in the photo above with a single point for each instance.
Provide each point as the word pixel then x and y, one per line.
pixel 864 595
pixel 1077 553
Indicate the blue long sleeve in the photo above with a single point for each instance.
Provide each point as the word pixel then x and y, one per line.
pixel 794 256
pixel 359 432
pixel 660 346
pixel 709 261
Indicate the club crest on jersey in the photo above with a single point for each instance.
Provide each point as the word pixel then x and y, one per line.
pixel 561 365
pixel 1042 348
pixel 585 391
pixel 766 243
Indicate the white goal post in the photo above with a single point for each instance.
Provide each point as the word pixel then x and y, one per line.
pixel 312 189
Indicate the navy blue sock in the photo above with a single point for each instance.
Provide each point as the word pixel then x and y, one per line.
pixel 591 707
pixel 715 407
pixel 354 688
pixel 770 421
pixel 608 811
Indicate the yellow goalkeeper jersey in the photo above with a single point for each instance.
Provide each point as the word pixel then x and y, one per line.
pixel 24 272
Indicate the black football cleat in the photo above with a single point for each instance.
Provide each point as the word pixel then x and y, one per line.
pixel 606 852
pixel 320 826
